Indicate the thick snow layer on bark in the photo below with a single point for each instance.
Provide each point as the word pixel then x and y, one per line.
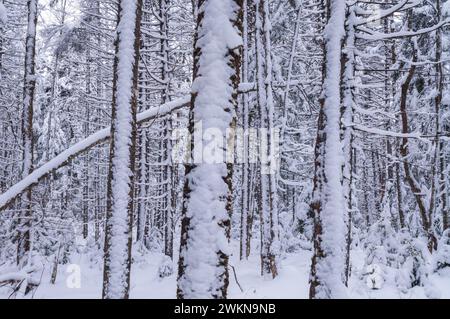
pixel 206 206
pixel 330 268
pixel 121 172
pixel 213 85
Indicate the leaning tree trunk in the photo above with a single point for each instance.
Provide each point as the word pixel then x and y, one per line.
pixel 25 223
pixel 404 152
pixel 203 263
pixel 328 205
pixel 119 214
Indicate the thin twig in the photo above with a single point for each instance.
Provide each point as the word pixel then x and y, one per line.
pixel 235 278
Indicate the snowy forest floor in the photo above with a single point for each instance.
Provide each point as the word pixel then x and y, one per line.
pixel 292 282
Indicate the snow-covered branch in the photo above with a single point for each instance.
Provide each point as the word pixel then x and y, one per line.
pixel 65 157
pixel 378 36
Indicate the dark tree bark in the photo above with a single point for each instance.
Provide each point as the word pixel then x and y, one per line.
pixel 25 220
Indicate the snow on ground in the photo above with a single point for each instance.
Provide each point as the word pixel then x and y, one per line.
pixel 292 282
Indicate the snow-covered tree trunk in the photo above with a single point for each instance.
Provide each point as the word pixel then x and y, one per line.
pixel 440 151
pixel 119 215
pixel 244 248
pixel 25 222
pixel 142 183
pixel 98 208
pixel 204 251
pixel 328 206
pixel 268 208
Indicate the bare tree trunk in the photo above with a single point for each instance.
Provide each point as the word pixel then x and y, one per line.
pixel 98 208
pixel 404 152
pixel 347 95
pixel 25 221
pixel 401 214
pixel 169 202
pixel 86 129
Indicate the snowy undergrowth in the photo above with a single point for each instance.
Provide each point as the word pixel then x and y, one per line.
pixel 292 282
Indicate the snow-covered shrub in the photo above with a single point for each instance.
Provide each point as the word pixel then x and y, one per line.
pixel 293 238
pixel 22 281
pixel 375 276
pixel 165 269
pixel 414 261
pixel 153 242
pixel 416 266
pixel 442 256
pixel 381 245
